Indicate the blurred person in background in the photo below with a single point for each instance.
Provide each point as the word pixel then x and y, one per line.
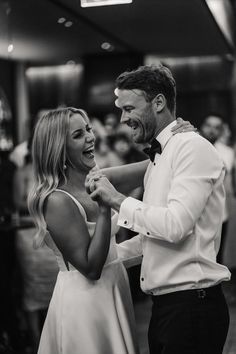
pixel 111 124
pixel 38 267
pixel 105 156
pixel 217 133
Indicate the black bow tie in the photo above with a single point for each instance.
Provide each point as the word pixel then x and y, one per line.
pixel 153 150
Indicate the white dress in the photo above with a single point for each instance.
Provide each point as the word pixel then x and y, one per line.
pixel 90 317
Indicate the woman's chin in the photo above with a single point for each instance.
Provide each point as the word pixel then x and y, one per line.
pixel 92 164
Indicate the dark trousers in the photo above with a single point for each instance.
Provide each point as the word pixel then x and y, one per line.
pixel 219 257
pixel 189 322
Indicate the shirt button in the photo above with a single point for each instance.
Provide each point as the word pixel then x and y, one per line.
pixel 154 164
pixel 142 279
pixel 148 233
pixel 125 222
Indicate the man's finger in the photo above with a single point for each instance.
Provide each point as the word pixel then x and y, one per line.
pixel 94 195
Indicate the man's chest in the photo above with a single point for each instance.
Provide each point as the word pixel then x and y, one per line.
pixel 157 182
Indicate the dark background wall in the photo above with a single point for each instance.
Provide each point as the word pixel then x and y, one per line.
pixel 7 84
pixel 203 86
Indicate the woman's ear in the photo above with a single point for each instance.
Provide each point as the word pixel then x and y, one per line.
pixel 159 102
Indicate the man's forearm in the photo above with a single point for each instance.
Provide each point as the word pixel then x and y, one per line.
pixel 117 201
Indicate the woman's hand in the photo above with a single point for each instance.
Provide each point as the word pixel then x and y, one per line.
pixel 103 192
pixel 183 126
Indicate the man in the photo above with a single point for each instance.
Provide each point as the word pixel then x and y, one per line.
pixel 212 129
pixel 178 221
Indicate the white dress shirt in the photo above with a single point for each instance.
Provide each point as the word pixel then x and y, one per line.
pixel 227 155
pixel 179 220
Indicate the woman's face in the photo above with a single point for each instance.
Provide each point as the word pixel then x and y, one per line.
pixel 80 143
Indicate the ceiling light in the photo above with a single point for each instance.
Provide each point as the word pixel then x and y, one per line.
pixel 70 62
pixel 61 20
pixel 68 24
pixel 91 3
pixel 107 46
pixel 10 48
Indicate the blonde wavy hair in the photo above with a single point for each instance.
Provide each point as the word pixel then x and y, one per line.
pixel 49 160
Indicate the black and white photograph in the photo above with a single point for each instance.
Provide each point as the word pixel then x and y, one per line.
pixel 118 176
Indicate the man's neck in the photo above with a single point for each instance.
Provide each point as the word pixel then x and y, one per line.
pixel 163 123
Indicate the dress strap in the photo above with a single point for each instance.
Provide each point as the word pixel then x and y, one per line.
pixel 81 208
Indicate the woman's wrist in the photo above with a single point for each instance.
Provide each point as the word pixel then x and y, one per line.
pixel 104 209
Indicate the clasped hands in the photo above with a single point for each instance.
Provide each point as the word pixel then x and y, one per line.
pixel 100 188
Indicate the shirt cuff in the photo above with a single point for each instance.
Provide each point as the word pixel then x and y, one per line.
pixel 126 213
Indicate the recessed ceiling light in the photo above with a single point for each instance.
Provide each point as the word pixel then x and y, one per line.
pixel 68 24
pixel 90 3
pixel 107 46
pixel 61 20
pixel 10 48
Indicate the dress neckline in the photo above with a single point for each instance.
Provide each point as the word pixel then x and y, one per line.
pixel 80 206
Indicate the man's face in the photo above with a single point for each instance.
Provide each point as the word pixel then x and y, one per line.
pixel 138 114
pixel 212 128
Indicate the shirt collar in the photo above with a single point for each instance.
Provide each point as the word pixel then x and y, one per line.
pixel 164 136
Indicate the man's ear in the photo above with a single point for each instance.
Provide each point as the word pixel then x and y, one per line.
pixel 159 102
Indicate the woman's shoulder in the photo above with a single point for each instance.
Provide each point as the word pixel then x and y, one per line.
pixel 57 201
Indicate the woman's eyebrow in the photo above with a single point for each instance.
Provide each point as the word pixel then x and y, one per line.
pixel 76 131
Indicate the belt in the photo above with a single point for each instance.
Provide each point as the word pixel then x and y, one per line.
pixel 188 295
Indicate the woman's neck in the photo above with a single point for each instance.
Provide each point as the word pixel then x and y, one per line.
pixel 75 180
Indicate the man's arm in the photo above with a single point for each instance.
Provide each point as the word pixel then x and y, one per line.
pixel 128 177
pixel 196 169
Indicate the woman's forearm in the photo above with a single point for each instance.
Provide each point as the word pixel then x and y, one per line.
pixel 127 177
pixel 99 245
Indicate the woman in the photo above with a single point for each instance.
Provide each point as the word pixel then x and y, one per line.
pixel 91 309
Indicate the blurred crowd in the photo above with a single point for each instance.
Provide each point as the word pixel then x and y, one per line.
pixel 28 275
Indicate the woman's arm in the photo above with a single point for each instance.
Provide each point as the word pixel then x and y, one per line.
pixel 69 232
pixel 128 177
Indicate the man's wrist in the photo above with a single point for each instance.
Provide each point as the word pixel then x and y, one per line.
pixel 118 201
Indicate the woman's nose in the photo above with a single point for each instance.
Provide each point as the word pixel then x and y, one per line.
pixel 90 137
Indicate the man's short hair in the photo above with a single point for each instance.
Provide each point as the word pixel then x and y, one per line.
pixel 152 80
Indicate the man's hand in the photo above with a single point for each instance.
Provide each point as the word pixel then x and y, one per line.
pixel 103 192
pixel 183 126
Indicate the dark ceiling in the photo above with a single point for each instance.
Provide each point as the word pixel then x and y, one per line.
pixel 163 27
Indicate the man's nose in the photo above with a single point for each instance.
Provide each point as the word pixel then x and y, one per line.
pixel 123 118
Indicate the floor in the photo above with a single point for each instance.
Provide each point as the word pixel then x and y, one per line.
pixel 143 311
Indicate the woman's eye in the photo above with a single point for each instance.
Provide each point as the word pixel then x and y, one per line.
pixel 78 135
